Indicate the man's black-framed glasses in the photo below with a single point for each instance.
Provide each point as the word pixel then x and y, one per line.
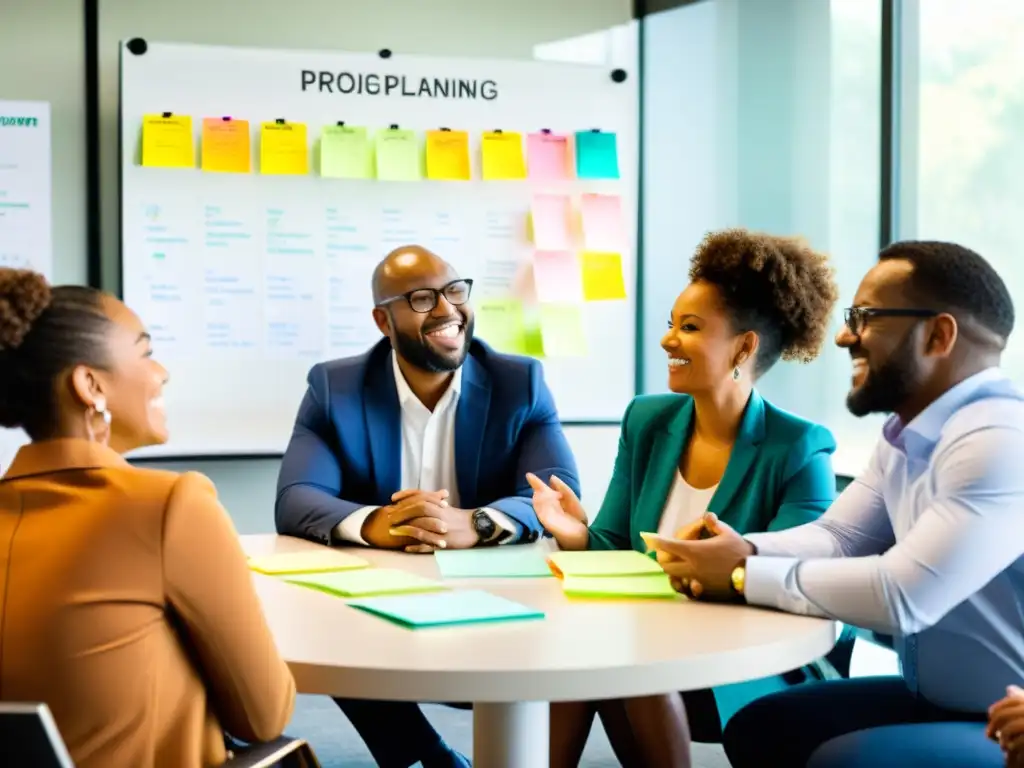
pixel 424 300
pixel 857 317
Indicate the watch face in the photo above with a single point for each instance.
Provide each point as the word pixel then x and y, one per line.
pixel 483 524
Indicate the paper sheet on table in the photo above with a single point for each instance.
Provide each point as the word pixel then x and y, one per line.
pixel 557 276
pixel 625 562
pixel 602 223
pixel 549 218
pixel 652 585
pixel 562 330
pixel 226 146
pixel 492 562
pixel 448 155
pixel 346 152
pixel 602 277
pixel 312 561
pixel 398 155
pixel 446 608
pixel 284 150
pixel 547 156
pixel 597 156
pixel 367 581
pixel 167 141
pixel 501 154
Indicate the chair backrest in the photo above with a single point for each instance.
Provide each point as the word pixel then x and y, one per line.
pixel 29 738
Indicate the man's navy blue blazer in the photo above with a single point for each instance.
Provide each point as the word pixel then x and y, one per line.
pixel 346 449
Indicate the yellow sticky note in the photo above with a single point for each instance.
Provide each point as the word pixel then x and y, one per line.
pixel 632 587
pixel 398 155
pixel 367 581
pixel 225 145
pixel 284 149
pixel 167 141
pixel 448 155
pixel 602 277
pixel 311 561
pixel 346 152
pixel 501 324
pixel 561 326
pixel 626 562
pixel 502 154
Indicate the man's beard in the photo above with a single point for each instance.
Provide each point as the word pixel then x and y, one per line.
pixel 889 386
pixel 417 351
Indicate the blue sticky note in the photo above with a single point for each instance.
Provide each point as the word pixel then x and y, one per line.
pixel 597 155
pixel 445 608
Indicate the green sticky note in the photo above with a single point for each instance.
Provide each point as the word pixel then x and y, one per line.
pixel 615 563
pixel 446 608
pixel 561 328
pixel 346 153
pixel 653 585
pixel 501 324
pixel 492 562
pixel 398 155
pixel 366 582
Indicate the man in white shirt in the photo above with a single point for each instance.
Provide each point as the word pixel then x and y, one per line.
pixel 422 443
pixel 926 545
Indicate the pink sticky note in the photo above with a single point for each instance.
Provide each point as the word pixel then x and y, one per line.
pixel 557 276
pixel 602 222
pixel 550 214
pixel 547 156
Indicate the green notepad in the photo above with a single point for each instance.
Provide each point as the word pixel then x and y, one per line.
pixel 366 582
pixel 615 563
pixel 651 585
pixel 445 608
pixel 311 561
pixel 492 562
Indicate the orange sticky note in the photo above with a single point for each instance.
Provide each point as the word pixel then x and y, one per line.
pixel 502 154
pixel 167 141
pixel 284 149
pixel 602 222
pixel 602 276
pixel 548 156
pixel 448 155
pixel 549 215
pixel 225 145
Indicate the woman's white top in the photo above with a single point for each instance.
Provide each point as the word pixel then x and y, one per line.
pixel 684 505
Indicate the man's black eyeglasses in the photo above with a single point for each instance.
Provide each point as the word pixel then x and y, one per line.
pixel 857 317
pixel 424 300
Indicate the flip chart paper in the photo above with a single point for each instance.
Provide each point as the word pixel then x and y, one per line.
pixel 549 216
pixel 557 276
pixel 398 155
pixel 167 142
pixel 502 156
pixel 446 608
pixel 594 563
pixel 500 322
pixel 346 152
pixel 548 156
pixel 367 581
pixel 602 222
pixel 312 561
pixel 225 146
pixel 504 562
pixel 653 585
pixel 448 155
pixel 561 327
pixel 602 277
pixel 597 155
pixel 284 150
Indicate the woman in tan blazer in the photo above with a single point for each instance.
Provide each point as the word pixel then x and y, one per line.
pixel 125 600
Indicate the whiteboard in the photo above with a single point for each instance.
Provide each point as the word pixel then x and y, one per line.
pixel 242 398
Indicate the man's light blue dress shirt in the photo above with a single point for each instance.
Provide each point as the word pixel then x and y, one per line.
pixel 926 545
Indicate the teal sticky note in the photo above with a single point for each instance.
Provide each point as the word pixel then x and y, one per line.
pixel 597 155
pixel 440 609
pixel 491 562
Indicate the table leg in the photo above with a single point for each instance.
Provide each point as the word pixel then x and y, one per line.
pixel 511 735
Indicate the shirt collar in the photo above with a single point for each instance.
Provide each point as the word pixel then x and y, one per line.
pixel 917 438
pixel 49 456
pixel 405 393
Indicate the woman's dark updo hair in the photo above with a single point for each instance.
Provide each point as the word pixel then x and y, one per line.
pixel 44 332
pixel 778 287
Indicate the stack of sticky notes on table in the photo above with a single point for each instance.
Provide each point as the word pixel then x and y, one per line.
pixel 624 574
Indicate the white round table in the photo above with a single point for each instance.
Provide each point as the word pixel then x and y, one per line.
pixel 581 650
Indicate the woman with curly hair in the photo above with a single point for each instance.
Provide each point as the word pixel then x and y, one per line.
pixel 128 605
pixel 713 445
